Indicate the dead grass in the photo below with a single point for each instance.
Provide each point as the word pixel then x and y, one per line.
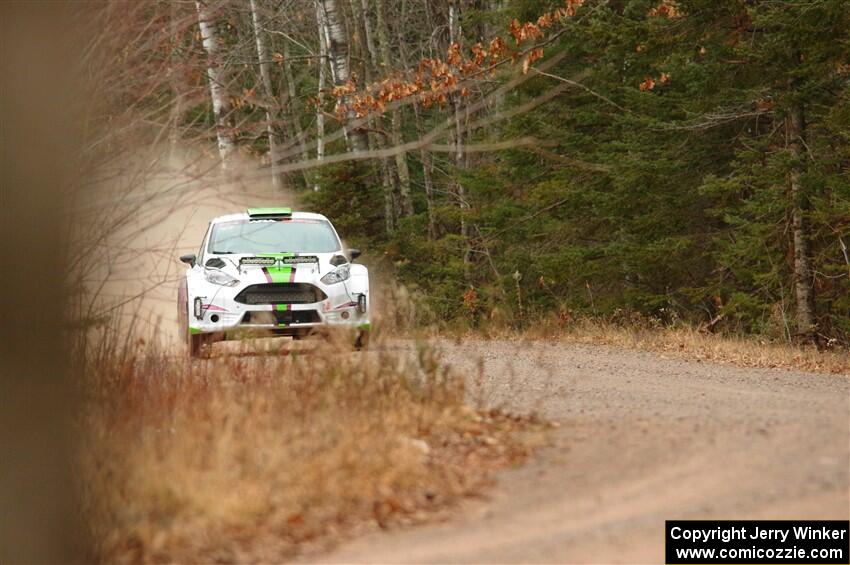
pixel 256 458
pixel 683 341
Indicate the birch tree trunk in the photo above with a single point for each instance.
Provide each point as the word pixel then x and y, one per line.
pixel 263 58
pixel 405 201
pixel 217 79
pixel 803 274
pixel 340 69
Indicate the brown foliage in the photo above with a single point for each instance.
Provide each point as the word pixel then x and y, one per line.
pixel 668 8
pixel 434 80
pixel 252 458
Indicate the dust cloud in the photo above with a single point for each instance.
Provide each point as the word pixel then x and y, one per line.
pixel 152 207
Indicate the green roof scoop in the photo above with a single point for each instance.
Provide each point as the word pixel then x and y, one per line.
pixel 269 212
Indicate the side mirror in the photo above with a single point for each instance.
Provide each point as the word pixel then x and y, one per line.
pixel 189 259
pixel 353 253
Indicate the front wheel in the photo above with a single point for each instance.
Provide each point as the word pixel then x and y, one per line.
pixel 198 345
pixel 361 342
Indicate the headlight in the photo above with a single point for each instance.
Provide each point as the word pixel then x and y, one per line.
pixel 339 274
pixel 220 277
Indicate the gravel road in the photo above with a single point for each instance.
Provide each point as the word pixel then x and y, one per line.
pixel 642 439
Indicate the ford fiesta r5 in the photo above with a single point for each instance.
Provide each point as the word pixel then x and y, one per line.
pixel 271 272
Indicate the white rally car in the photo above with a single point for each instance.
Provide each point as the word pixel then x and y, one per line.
pixel 271 271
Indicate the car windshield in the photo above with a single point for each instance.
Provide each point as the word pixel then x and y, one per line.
pixel 270 236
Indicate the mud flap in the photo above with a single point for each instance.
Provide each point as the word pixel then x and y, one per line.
pixel 361 342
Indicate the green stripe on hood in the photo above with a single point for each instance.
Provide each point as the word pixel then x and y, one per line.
pixel 279 274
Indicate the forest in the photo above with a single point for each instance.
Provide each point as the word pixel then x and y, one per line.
pixel 517 160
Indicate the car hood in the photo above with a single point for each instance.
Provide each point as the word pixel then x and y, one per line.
pixel 276 265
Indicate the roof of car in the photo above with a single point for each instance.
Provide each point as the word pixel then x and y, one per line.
pixel 261 213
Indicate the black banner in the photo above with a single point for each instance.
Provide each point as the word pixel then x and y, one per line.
pixel 298 259
pixel 757 541
pixel 258 261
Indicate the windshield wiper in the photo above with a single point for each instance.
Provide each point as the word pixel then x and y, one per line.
pixel 223 252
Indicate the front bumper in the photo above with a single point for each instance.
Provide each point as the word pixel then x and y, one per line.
pixel 215 309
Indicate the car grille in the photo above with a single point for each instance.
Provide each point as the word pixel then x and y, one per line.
pixel 280 293
pixel 297 317
pixel 282 317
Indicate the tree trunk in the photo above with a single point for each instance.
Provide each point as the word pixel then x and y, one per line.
pixel 359 16
pixel 216 77
pixel 455 36
pixel 320 95
pixel 387 174
pixel 367 28
pixel 424 154
pixel 405 201
pixel 265 74
pixel 375 138
pixel 293 112
pixel 340 69
pixel 178 83
pixel 427 176
pixel 803 273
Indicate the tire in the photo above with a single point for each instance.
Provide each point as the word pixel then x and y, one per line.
pixel 361 342
pixel 198 345
pixel 298 336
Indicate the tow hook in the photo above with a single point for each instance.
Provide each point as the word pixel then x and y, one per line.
pixel 361 303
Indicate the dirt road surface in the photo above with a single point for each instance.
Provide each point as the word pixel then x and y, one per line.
pixel 642 439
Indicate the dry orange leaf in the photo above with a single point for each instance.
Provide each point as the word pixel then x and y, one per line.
pixel 647 84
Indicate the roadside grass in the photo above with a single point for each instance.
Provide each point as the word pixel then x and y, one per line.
pixel 249 458
pixel 680 340
pixel 691 343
